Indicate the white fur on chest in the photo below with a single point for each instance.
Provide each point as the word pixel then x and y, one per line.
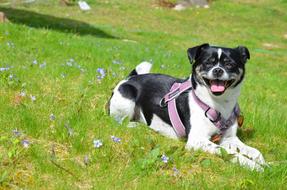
pixel 224 103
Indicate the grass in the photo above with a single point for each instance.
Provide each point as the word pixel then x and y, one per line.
pixel 61 153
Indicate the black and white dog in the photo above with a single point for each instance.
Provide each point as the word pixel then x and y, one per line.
pixel 217 75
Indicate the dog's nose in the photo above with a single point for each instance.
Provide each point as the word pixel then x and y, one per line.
pixel 217 72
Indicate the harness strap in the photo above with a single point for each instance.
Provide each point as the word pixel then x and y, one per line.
pixel 175 120
pixel 213 115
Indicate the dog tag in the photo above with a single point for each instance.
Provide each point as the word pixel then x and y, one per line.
pixel 216 138
pixel 240 120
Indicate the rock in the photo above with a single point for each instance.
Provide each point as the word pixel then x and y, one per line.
pixel 179 7
pixel 188 3
pixel 84 6
pixel 2 17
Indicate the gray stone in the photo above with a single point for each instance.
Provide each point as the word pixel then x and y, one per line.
pixel 188 3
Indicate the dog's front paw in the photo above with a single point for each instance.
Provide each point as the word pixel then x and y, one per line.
pixel 247 162
pixel 253 154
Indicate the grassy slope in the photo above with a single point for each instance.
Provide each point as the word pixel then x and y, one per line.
pixel 96 38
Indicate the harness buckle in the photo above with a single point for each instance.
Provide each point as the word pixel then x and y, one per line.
pixel 162 103
pixel 213 121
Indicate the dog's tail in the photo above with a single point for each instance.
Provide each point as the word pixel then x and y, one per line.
pixel 143 68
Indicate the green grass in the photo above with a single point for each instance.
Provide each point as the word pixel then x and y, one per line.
pixel 131 31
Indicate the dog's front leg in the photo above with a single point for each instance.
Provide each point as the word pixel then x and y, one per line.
pixel 234 144
pixel 201 143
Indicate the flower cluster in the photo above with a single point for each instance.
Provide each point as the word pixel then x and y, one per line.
pixel 101 73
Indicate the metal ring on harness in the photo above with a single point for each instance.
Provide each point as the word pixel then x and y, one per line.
pixel 213 121
pixel 162 103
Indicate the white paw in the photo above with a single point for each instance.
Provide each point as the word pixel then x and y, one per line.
pixel 245 161
pixel 253 154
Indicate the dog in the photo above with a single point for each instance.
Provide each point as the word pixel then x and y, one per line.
pixel 216 77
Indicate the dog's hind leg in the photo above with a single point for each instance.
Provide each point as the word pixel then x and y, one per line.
pixel 121 106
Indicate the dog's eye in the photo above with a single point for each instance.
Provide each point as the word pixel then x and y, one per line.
pixel 228 63
pixel 211 61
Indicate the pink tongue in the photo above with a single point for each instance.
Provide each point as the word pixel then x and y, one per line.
pixel 217 86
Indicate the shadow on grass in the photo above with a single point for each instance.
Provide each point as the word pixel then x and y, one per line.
pixel 37 20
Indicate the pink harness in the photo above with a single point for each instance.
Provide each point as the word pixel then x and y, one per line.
pixel 213 115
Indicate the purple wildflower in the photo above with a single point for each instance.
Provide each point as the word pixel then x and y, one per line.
pixel 4 68
pixel 11 76
pixel 22 93
pixel 102 73
pixel 116 139
pixel 25 143
pixel 164 158
pixel 175 171
pixel 43 65
pixel 16 132
pixel 35 62
pixel 52 117
pixel 33 98
pixel 97 143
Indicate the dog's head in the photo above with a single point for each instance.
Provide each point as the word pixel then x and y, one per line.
pixel 217 68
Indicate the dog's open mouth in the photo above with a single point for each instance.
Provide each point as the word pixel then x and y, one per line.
pixel 217 87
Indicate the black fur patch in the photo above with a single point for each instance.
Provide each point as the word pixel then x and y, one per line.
pixel 147 90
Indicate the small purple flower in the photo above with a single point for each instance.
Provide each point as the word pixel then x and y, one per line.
pixel 35 62
pixel 97 143
pixel 52 117
pixel 22 94
pixel 33 98
pixel 11 76
pixel 16 132
pixel 102 73
pixel 4 68
pixel 164 158
pixel 25 143
pixel 116 139
pixel 175 171
pixel 43 65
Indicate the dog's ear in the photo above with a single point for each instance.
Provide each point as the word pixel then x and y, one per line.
pixel 244 53
pixel 194 52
